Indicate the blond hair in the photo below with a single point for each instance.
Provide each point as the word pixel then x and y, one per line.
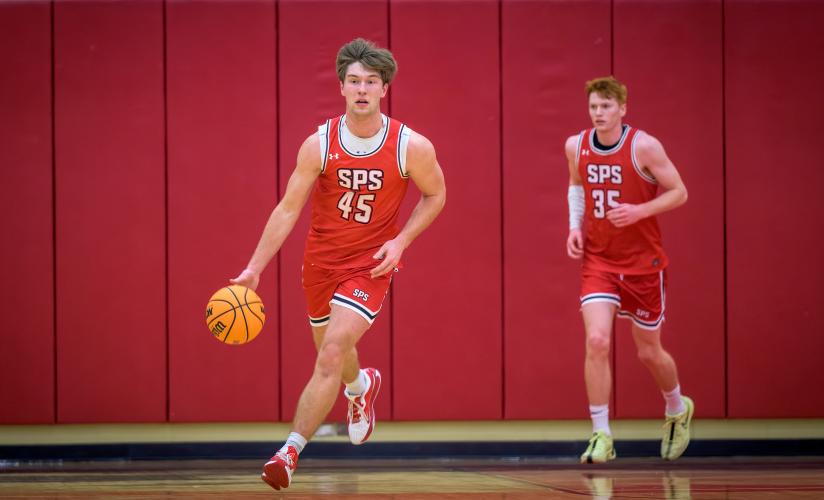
pixel 367 53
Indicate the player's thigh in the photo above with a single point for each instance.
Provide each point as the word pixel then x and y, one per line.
pixel 345 328
pixel 317 335
pixel 598 319
pixel 646 339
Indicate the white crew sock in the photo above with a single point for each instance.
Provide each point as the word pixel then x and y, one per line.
pixel 295 440
pixel 600 418
pixel 359 385
pixel 675 404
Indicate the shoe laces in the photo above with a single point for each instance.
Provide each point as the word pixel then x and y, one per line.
pixel 354 409
pixel 596 442
pixel 673 425
pixel 287 457
pixel 674 419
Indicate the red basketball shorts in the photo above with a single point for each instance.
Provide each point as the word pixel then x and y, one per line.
pixel 641 298
pixel 353 289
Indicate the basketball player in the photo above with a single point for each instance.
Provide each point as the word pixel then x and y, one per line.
pixel 356 167
pixel 615 172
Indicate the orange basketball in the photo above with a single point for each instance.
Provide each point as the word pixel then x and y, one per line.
pixel 235 315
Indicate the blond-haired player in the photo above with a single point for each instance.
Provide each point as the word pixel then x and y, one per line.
pixel 356 168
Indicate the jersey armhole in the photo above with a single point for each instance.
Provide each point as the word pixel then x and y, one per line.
pixel 636 165
pixel 403 145
pixel 323 142
pixel 578 147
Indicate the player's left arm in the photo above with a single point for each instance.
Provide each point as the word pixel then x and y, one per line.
pixel 423 168
pixel 654 160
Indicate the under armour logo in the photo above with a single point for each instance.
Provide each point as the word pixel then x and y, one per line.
pixel 334 156
pixel 584 152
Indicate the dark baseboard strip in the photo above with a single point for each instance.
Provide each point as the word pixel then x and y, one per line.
pixel 321 450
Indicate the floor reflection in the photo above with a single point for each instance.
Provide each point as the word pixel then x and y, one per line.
pixel 425 480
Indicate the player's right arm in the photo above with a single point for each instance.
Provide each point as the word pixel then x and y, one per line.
pixel 286 213
pixel 575 198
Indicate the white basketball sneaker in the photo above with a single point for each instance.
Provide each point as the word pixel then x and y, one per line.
pixel 361 414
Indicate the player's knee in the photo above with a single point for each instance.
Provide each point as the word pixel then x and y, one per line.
pixel 649 354
pixel 330 359
pixel 598 344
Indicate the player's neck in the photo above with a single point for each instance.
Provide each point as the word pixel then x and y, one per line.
pixel 610 136
pixel 364 126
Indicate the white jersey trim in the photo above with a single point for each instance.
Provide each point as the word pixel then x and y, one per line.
pixel 613 149
pixel 644 325
pixel 601 297
pixel 323 142
pixel 323 321
pixel 362 310
pixel 578 148
pixel 403 145
pixel 636 164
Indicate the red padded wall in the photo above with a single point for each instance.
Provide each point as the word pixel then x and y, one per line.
pixel 543 103
pixel 669 55
pixel 111 307
pixel 26 258
pixel 222 186
pixel 447 322
pixel 309 94
pixel 461 331
pixel 773 53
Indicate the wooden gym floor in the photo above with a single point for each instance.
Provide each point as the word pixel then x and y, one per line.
pixel 515 479
pixel 29 468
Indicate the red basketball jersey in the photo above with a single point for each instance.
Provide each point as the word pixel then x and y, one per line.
pixel 610 177
pixel 356 200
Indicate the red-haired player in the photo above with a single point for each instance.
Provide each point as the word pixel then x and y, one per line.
pixel 615 172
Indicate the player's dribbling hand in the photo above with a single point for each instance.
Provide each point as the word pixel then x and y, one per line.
pixel 390 253
pixel 247 278
pixel 625 214
pixel 575 244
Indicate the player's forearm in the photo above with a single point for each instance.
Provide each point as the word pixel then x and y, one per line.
pixel 666 201
pixel 277 228
pixel 422 216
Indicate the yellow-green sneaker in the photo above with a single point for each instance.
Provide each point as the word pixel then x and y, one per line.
pixel 599 449
pixel 677 432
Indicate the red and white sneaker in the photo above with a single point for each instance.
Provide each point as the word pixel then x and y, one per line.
pixel 277 472
pixel 361 415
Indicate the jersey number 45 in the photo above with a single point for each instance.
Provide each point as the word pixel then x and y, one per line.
pixel 356 206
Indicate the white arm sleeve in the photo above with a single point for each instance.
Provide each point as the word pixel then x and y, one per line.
pixel 575 198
